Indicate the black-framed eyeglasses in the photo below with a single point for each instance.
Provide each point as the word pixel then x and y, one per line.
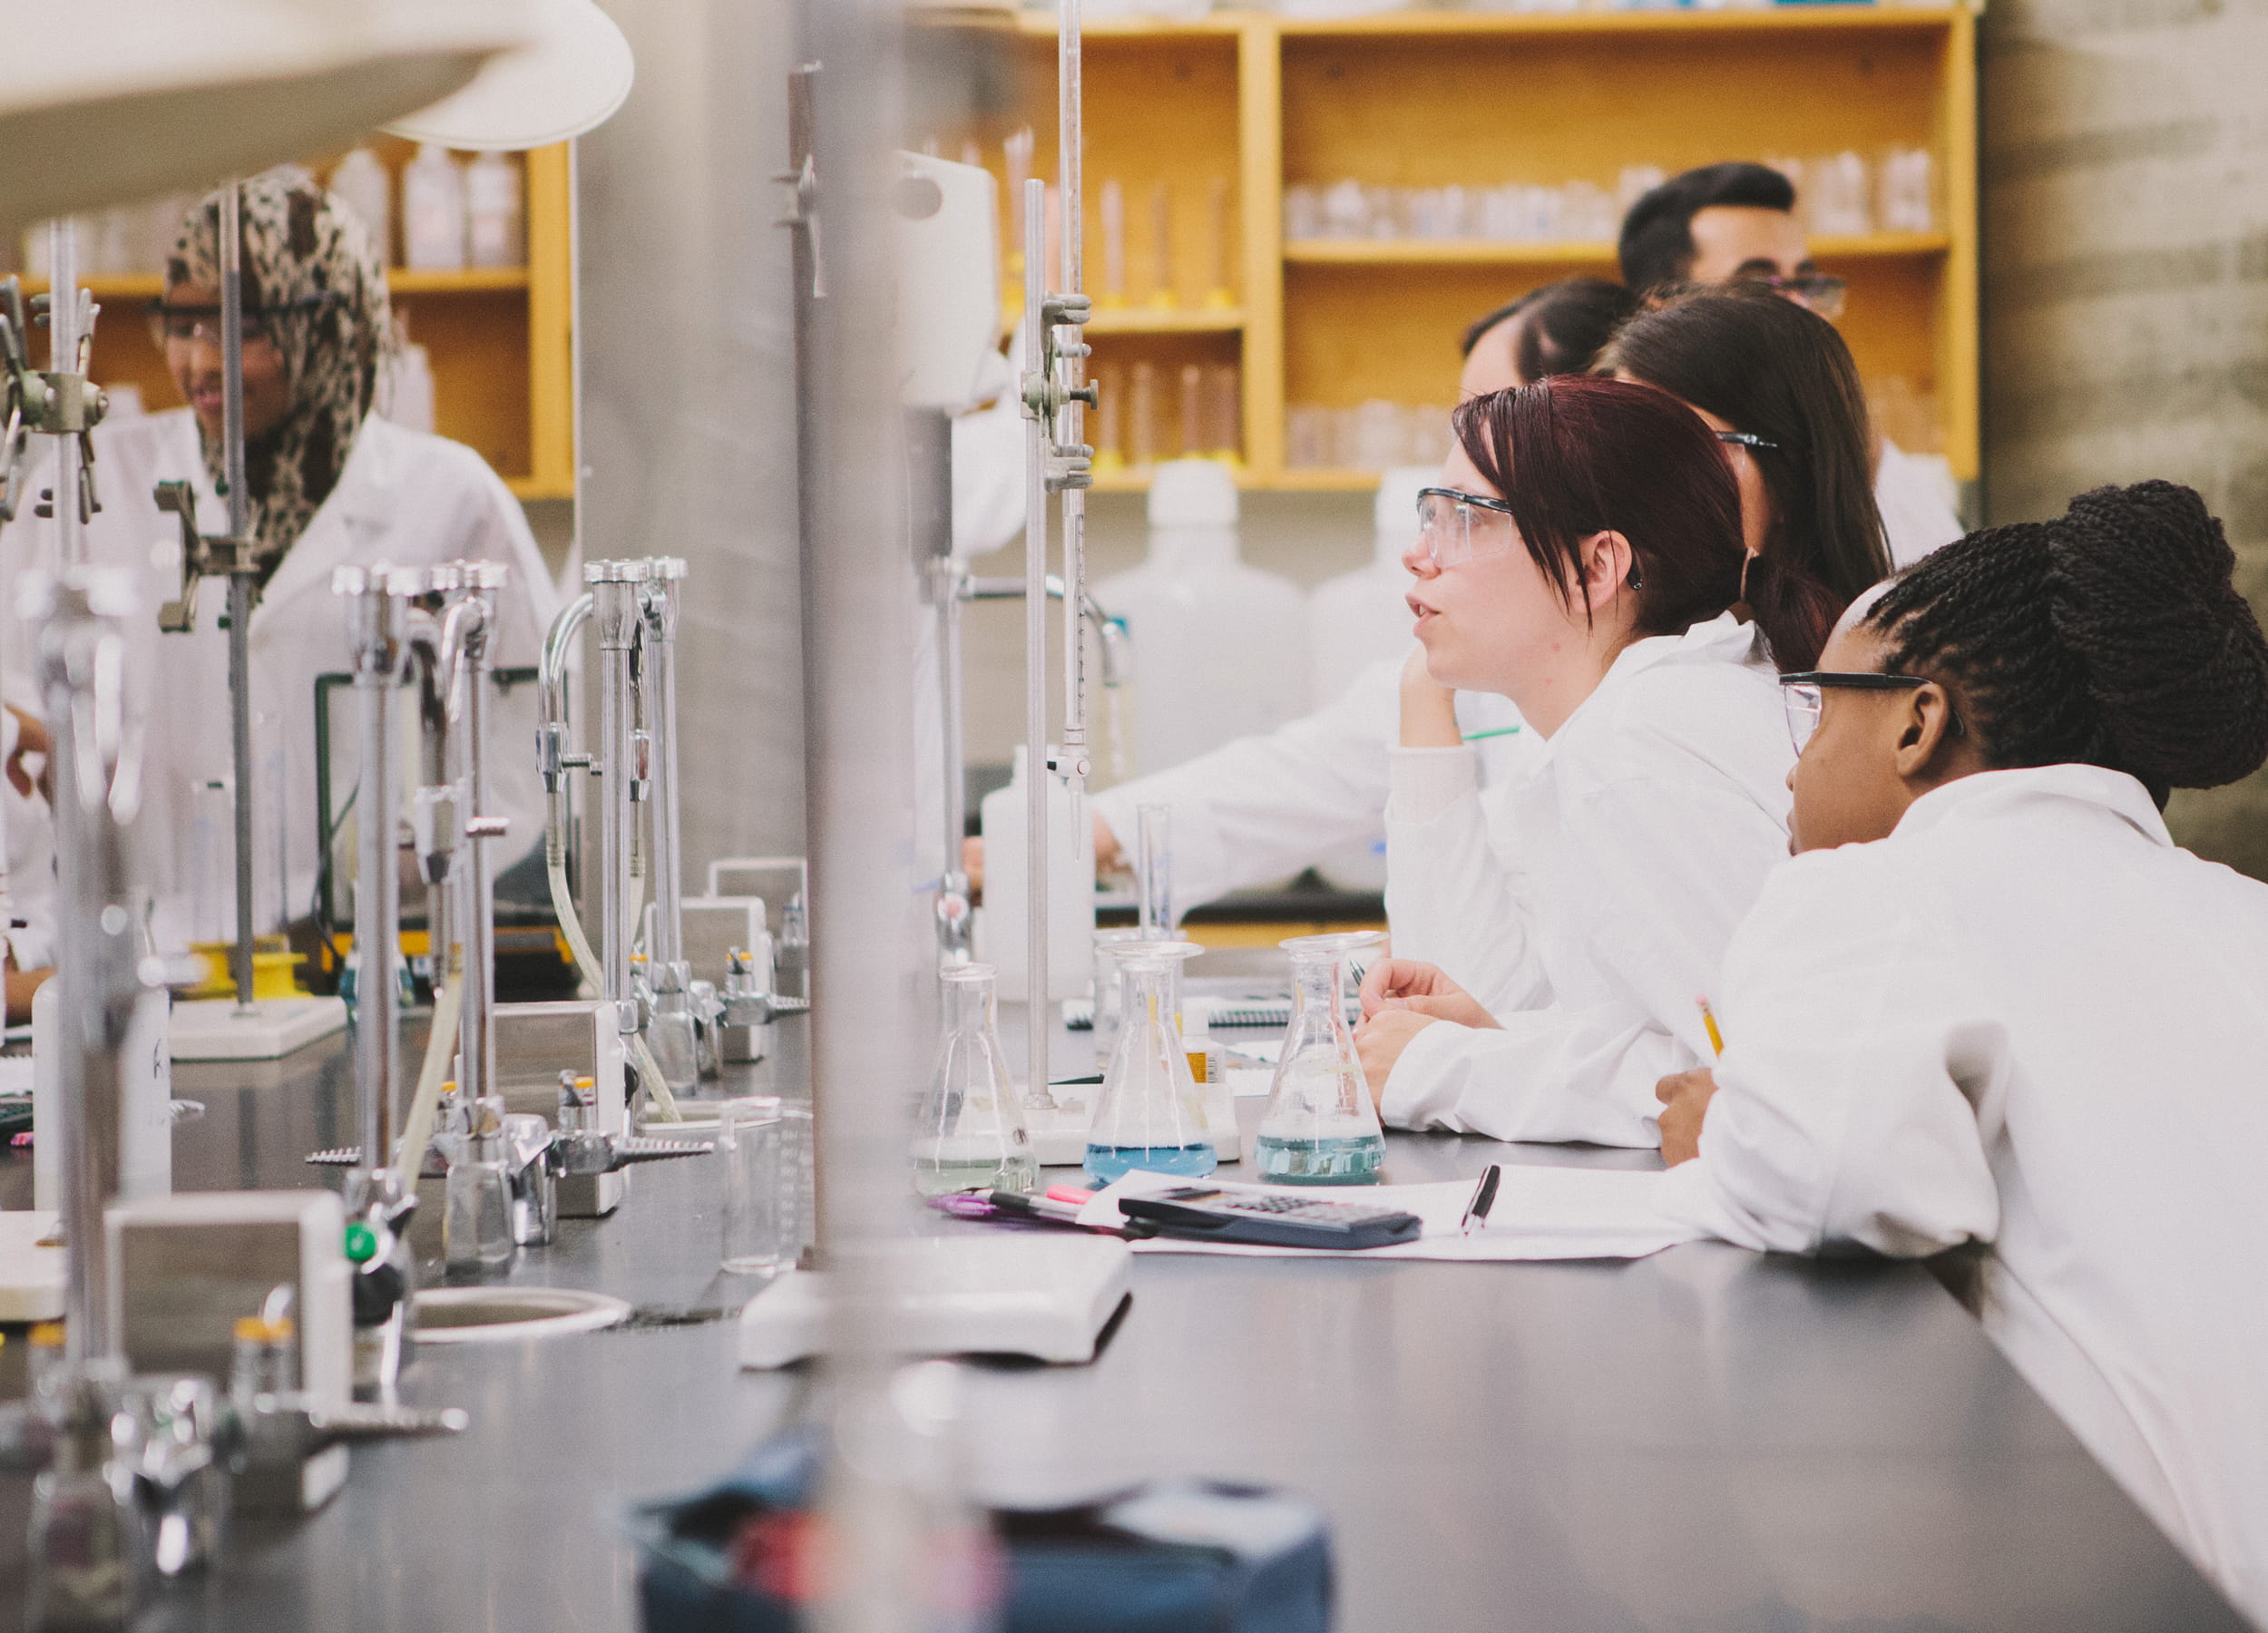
pixel 1746 439
pixel 1804 693
pixel 172 322
pixel 1816 291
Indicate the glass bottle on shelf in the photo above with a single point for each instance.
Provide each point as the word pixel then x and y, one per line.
pixel 1141 450
pixel 1109 435
pixel 1161 289
pixel 971 1132
pixel 1320 1127
pixel 1219 286
pixel 1150 1114
pixel 1193 438
pixel 1224 412
pixel 1112 296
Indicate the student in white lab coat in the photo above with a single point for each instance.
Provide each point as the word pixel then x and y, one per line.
pixel 1582 558
pixel 1991 1001
pixel 1262 807
pixel 330 483
pixel 1778 386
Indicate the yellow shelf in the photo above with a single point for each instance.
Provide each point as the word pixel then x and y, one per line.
pixel 1759 19
pixel 1416 99
pixel 1486 252
pixel 1837 13
pixel 1439 253
pixel 1167 320
pixel 401 281
pixel 136 285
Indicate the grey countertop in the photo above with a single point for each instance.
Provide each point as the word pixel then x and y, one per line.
pixel 1708 1439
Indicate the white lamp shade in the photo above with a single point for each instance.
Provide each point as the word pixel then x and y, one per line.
pixel 111 101
pixel 570 80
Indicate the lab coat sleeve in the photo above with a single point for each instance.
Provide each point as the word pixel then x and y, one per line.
pixel 1659 872
pixel 1862 1077
pixel 1447 895
pixel 1264 806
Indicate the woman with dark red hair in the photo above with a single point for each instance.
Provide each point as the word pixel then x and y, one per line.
pixel 1583 557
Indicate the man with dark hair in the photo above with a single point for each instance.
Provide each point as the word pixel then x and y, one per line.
pixel 1737 221
pixel 1721 222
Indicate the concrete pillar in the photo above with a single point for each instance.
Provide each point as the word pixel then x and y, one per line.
pixel 2126 299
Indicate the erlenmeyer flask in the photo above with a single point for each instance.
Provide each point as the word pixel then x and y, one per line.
pixel 971 1132
pixel 1321 1127
pixel 1150 1114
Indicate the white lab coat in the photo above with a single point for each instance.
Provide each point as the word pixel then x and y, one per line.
pixel 1597 905
pixel 31 841
pixel 404 497
pixel 1262 807
pixel 2027 1018
pixel 1914 492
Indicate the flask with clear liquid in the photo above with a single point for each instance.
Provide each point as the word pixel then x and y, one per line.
pixel 1150 1114
pixel 971 1131
pixel 1320 1127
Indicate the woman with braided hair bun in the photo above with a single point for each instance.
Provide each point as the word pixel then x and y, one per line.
pixel 1992 1001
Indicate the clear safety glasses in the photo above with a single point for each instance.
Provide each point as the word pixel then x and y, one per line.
pixel 1804 694
pixel 1821 293
pixel 1455 526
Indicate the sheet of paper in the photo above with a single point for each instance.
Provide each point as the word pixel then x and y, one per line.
pixel 1251 1082
pixel 1266 1051
pixel 1541 1213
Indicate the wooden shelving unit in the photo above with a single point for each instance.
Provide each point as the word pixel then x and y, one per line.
pixel 498 339
pixel 1429 98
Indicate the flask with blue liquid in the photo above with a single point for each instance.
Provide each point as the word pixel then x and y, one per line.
pixel 1150 1113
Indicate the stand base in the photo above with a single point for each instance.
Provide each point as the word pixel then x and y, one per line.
pixel 31 1276
pixel 212 1029
pixel 1045 1296
pixel 1059 1138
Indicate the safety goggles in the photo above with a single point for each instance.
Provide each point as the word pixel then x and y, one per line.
pixel 1455 526
pixel 1804 695
pixel 173 324
pixel 1816 291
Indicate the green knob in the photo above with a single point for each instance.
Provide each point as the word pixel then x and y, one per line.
pixel 362 1242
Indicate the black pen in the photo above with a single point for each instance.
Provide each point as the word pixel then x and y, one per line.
pixel 1484 1199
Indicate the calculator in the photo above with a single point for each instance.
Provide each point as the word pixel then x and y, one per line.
pixel 1227 1214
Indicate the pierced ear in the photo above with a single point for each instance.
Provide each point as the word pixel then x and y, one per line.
pixel 1609 567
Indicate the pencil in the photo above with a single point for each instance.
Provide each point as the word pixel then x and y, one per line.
pixel 1708 1019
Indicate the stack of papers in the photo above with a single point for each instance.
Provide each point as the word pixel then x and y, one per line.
pixel 1541 1213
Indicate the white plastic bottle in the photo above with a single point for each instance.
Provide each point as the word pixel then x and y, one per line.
pixel 1001 922
pixel 363 181
pixel 432 212
pixel 1220 649
pixel 1360 618
pixel 145 1156
pixel 493 222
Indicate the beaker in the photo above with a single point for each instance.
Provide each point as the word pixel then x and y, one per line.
pixel 1321 1127
pixel 1150 1114
pixel 971 1132
pixel 1105 987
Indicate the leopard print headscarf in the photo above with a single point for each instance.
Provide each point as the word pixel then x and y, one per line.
pixel 299 241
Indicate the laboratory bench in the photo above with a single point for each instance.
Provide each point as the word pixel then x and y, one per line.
pixel 1708 1439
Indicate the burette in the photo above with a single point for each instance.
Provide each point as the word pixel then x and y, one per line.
pixel 1055 396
